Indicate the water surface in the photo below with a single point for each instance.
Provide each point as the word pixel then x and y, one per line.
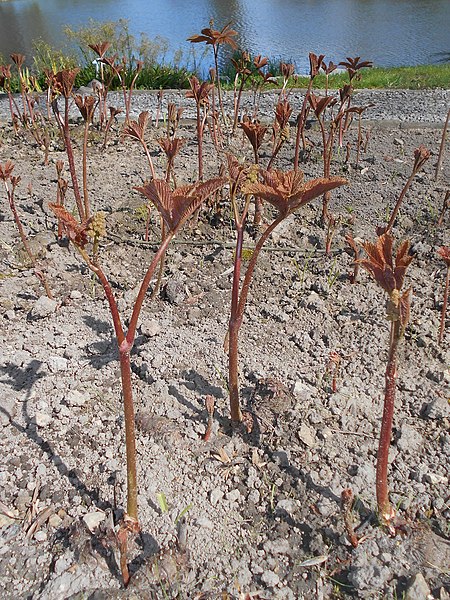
pixel 388 32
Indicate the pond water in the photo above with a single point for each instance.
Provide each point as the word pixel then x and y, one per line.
pixel 388 32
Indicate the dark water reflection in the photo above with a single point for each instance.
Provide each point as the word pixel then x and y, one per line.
pixel 389 32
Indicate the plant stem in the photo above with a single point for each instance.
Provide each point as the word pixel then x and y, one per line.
pixel 441 148
pixel 25 242
pixel 444 307
pixel 236 322
pixel 64 126
pixel 85 190
pixel 301 125
pixel 400 200
pixel 385 509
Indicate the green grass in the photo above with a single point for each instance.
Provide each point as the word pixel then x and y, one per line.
pixel 409 78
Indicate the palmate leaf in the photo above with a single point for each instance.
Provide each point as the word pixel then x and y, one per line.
pixel 176 207
pixel 76 232
pixel 287 191
pixel 380 262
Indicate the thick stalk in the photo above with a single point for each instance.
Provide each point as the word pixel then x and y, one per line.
pixel 64 126
pixel 144 286
pixel 85 190
pixel 130 437
pixel 444 307
pixel 385 509
pixel 233 331
pixel 236 322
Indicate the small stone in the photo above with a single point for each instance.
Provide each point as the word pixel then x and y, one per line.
pixel 418 588
pixel 40 536
pixel 175 291
pixel 302 390
pixel 270 578
pixel 410 439
pixel 233 496
pixel 306 435
pixel 93 519
pixel 75 398
pixel 8 407
pixel 439 408
pixel 150 327
pixel 57 363
pixel 10 315
pixel 55 521
pixel 399 142
pixel 76 295
pixel 435 479
pixel 215 496
pixel 42 308
pixel 42 419
pixel 278 546
pixel 205 522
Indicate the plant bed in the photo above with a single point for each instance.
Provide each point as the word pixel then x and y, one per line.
pixel 254 512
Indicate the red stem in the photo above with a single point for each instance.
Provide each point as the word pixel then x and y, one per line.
pixel 385 509
pixel 236 322
pixel 301 125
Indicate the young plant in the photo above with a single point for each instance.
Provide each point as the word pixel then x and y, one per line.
pixel 287 192
pixel 281 128
pixel 175 208
pixel 245 69
pixel 136 130
pixel 200 93
pixel 5 84
pixel 421 155
pixel 86 106
pixel 389 273
pixel 444 253
pixel 63 84
pixel 255 133
pixel 10 182
pixel 213 37
pixel 315 63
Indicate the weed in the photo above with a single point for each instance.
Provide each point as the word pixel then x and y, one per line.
pixel 389 274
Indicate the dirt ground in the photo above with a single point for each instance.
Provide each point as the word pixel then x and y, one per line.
pixel 252 515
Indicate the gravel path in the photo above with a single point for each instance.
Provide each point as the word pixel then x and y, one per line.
pixel 405 107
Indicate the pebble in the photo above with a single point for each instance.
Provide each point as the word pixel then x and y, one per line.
pixel 439 408
pixel 76 398
pixel 40 536
pixel 42 419
pixel 410 439
pixel 150 328
pixel 93 519
pixel 306 435
pixel 57 363
pixel 417 588
pixel 270 578
pixel 215 495
pixel 42 308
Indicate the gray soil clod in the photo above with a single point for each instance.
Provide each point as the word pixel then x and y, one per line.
pixel 256 508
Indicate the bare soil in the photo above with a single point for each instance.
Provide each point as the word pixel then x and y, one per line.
pixel 245 513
